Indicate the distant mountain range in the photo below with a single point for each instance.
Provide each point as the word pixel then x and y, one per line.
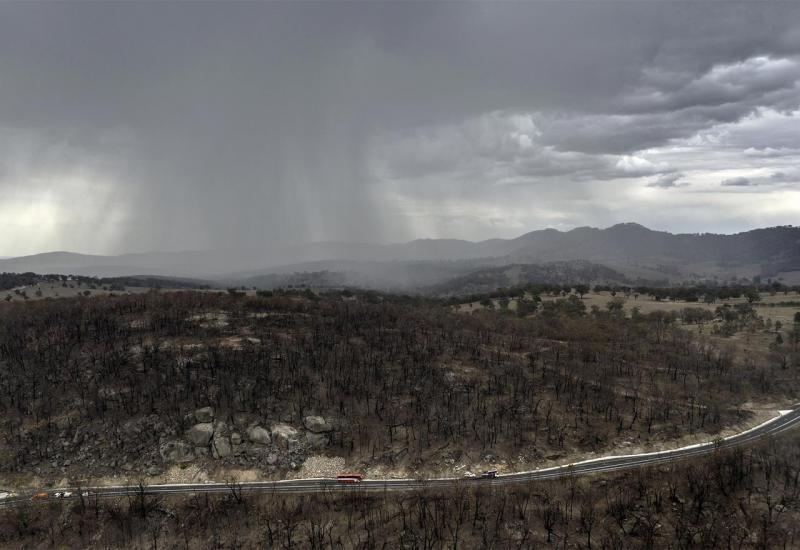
pixel 631 250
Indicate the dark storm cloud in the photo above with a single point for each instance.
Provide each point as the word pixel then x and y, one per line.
pixel 148 125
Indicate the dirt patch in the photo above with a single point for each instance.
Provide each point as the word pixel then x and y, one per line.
pixel 188 474
pixel 212 319
pixel 237 342
pixel 320 466
pixel 240 476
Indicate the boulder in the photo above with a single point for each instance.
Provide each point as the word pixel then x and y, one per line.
pixel 316 424
pixel 200 434
pixel 243 420
pixel 206 414
pixel 220 428
pixel 284 435
pixel 221 447
pixel 176 451
pixel 80 433
pixel 316 441
pixel 259 435
pixel 255 452
pixel 236 438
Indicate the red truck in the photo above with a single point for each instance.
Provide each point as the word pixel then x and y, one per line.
pixel 348 478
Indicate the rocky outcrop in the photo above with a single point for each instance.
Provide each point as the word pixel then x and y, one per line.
pixel 200 434
pixel 317 424
pixel 259 435
pixel 204 415
pixel 284 435
pixel 176 451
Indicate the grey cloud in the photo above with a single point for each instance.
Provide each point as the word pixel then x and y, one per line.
pixel 789 177
pixel 736 182
pixel 651 117
pixel 666 181
pixel 770 152
pixel 752 79
pixel 499 143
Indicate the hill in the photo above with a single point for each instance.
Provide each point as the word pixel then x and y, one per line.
pixel 631 249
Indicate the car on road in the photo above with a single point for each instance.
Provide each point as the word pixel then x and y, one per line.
pixel 488 474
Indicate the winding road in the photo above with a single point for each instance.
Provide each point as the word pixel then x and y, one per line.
pixel 786 420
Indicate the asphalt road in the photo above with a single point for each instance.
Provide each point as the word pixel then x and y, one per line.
pixel 778 425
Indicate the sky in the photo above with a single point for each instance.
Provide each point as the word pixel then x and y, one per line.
pixel 128 127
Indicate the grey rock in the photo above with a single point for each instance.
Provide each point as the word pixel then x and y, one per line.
pixel 316 441
pixel 272 459
pixel 242 420
pixel 317 424
pixel 259 435
pixel 254 452
pixel 206 414
pixel 80 432
pixel 200 434
pixel 221 447
pixel 220 428
pixel 236 438
pixel 284 435
pixel 176 451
